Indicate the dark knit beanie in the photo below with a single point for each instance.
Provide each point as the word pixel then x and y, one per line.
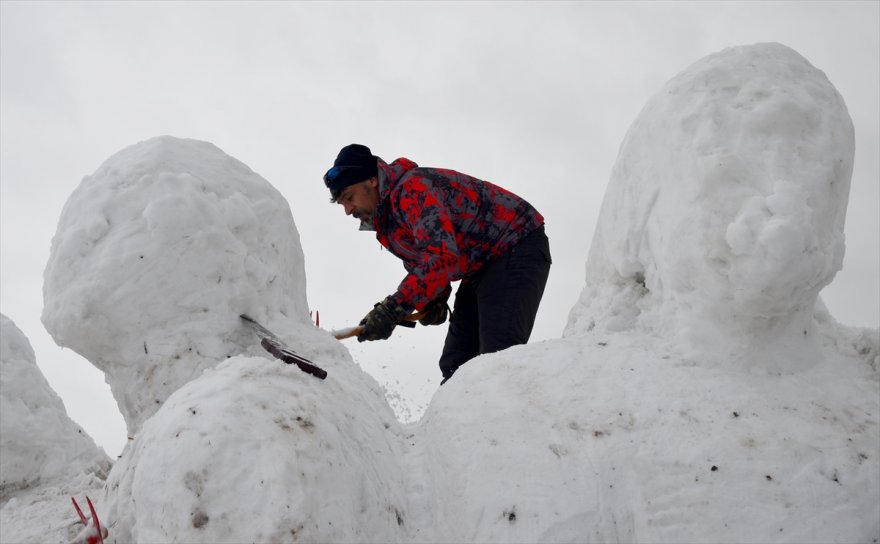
pixel 354 164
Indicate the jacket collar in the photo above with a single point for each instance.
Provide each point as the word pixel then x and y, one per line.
pixel 389 176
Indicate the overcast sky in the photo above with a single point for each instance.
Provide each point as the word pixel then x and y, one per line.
pixel 533 96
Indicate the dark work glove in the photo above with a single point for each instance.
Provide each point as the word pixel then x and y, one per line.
pixel 380 322
pixel 437 310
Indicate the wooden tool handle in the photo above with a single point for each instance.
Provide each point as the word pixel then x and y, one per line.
pixel 356 331
pixel 348 333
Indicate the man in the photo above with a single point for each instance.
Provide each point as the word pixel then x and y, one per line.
pixel 447 226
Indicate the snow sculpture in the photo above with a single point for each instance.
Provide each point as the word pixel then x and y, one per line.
pixel 155 257
pixel 724 214
pixel 722 221
pixel 41 444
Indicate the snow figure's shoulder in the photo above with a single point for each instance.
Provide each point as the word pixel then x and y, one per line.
pixel 252 432
pixel 859 343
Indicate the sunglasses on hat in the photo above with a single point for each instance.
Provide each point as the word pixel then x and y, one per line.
pixel 335 172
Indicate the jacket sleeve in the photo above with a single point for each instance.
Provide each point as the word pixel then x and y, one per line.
pixel 422 210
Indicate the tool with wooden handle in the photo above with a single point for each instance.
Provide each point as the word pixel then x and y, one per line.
pixel 409 321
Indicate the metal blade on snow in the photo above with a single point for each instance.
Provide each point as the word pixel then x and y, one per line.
pixel 281 351
pixel 259 329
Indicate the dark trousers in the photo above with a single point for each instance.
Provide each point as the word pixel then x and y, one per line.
pixel 496 307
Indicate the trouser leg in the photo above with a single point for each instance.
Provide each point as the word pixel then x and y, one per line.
pixel 510 292
pixel 496 308
pixel 462 338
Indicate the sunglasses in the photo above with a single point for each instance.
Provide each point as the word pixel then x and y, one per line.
pixel 335 172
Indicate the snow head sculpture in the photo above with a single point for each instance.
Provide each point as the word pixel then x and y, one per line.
pixel 724 215
pixel 156 255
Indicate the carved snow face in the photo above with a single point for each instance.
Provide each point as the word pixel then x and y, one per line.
pixel 729 194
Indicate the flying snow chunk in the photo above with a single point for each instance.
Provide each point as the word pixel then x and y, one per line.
pixel 156 255
pixel 724 214
pixel 41 444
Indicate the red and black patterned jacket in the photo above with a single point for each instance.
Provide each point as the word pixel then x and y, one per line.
pixel 444 225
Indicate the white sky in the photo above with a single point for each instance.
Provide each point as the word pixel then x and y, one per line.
pixel 533 96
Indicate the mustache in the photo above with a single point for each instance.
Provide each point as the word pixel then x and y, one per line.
pixel 362 216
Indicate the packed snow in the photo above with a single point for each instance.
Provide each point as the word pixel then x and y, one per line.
pixel 43 453
pixel 701 391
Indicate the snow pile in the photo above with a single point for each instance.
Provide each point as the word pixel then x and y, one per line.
pixel 41 444
pixel 156 255
pixel 724 215
pixel 45 458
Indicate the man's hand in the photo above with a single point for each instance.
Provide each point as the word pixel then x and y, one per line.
pixel 436 311
pixel 380 322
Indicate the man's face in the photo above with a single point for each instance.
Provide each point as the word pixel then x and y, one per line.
pixel 360 199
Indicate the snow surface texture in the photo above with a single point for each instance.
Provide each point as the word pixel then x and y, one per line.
pixel 724 215
pixel 602 439
pixel 156 255
pixel 42 450
pixel 612 433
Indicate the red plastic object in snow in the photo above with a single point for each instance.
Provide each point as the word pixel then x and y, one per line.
pixel 98 533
